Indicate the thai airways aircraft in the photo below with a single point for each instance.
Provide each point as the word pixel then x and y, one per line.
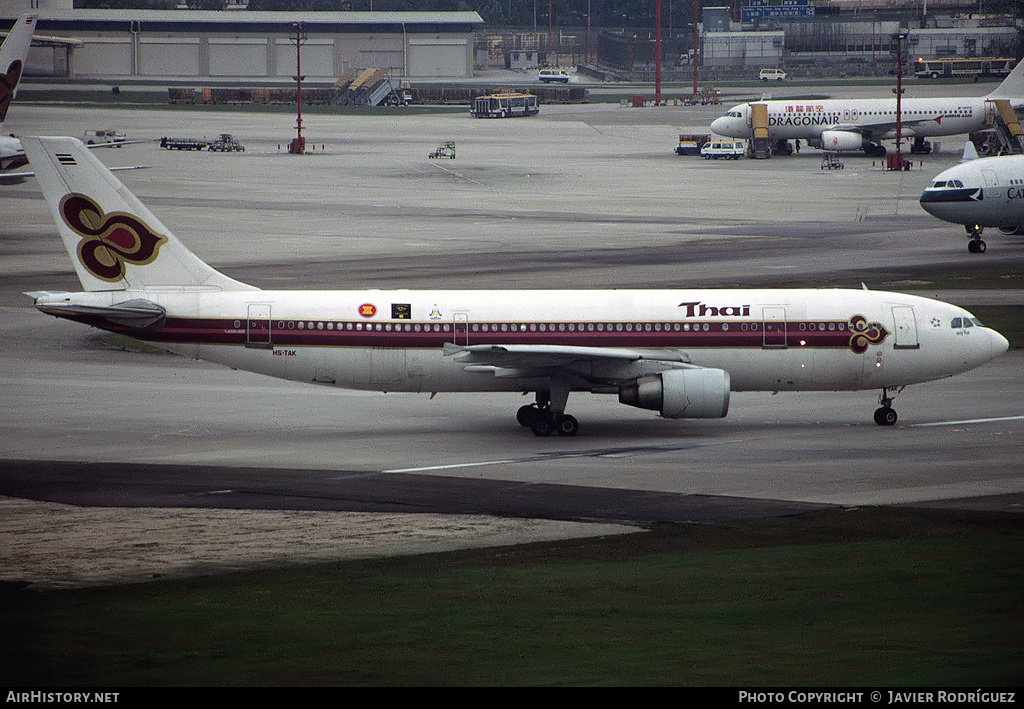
pixel 677 352
pixel 979 193
pixel 12 64
pixel 845 125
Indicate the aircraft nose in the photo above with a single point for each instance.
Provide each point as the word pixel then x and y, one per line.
pixel 718 125
pixel 999 344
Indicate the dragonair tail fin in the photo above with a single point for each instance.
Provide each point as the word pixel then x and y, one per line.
pixel 1012 86
pixel 12 59
pixel 115 243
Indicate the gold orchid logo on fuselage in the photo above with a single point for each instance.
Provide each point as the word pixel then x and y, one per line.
pixel 865 333
pixel 109 241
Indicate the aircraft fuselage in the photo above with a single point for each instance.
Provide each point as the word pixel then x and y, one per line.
pixel 770 340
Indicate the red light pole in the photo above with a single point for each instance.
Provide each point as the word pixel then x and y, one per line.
pixel 298 145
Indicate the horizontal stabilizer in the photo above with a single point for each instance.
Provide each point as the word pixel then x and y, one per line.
pixel 136 314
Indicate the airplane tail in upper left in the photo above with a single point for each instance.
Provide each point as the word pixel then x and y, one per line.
pixel 12 59
pixel 115 243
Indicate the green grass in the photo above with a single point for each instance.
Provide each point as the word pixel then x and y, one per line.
pixel 862 597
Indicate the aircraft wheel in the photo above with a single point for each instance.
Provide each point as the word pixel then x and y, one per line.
pixel 567 425
pixel 976 246
pixel 526 415
pixel 542 426
pixel 885 416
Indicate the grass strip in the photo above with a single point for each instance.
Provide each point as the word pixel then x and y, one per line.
pixel 876 596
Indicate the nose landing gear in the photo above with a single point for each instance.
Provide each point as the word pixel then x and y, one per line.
pixel 975 245
pixel 885 415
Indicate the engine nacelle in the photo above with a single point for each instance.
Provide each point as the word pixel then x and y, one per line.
pixel 681 393
pixel 841 140
pixel 1012 230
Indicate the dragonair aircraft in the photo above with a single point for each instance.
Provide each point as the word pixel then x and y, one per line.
pixel 979 193
pixel 12 64
pixel 845 125
pixel 678 352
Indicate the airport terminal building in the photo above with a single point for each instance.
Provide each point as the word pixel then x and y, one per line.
pixel 113 44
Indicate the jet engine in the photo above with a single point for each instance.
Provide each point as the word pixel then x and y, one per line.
pixel 841 140
pixel 1012 230
pixel 681 393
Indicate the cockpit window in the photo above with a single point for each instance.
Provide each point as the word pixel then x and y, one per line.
pixel 956 183
pixel 958 323
pixel 940 183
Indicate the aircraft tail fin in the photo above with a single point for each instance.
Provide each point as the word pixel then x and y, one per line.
pixel 115 243
pixel 970 152
pixel 1012 86
pixel 12 59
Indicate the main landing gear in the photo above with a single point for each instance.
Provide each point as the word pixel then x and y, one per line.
pixel 543 421
pixel 548 415
pixel 975 245
pixel 885 415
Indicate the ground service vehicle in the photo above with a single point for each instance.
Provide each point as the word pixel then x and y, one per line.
pixel 103 137
pixel 504 105
pixel 691 144
pixel 772 75
pixel 715 149
pixel 226 143
pixel 975 66
pixel 549 75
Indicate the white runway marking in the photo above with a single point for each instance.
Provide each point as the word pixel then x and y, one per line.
pixel 966 421
pixel 598 453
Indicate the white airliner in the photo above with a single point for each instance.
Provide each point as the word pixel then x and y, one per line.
pixel 677 352
pixel 845 125
pixel 12 65
pixel 979 193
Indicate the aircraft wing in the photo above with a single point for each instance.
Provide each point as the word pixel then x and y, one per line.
pixel 881 128
pixel 594 364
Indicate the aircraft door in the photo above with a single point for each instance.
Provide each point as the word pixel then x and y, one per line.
pixel 257 330
pixel 991 179
pixel 906 328
pixel 460 327
pixel 774 327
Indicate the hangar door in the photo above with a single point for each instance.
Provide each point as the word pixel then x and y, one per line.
pixel 438 58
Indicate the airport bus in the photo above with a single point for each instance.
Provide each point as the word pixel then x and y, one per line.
pixel 505 105
pixel 975 66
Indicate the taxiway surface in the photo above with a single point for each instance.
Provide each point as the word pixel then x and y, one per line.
pixel 578 197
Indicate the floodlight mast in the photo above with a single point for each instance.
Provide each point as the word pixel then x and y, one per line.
pixel 298 146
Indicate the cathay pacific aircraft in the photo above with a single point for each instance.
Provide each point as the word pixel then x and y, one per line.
pixel 979 193
pixel 678 352
pixel 853 124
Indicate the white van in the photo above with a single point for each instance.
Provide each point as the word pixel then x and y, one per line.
pixel 772 75
pixel 549 75
pixel 734 149
pixel 103 137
